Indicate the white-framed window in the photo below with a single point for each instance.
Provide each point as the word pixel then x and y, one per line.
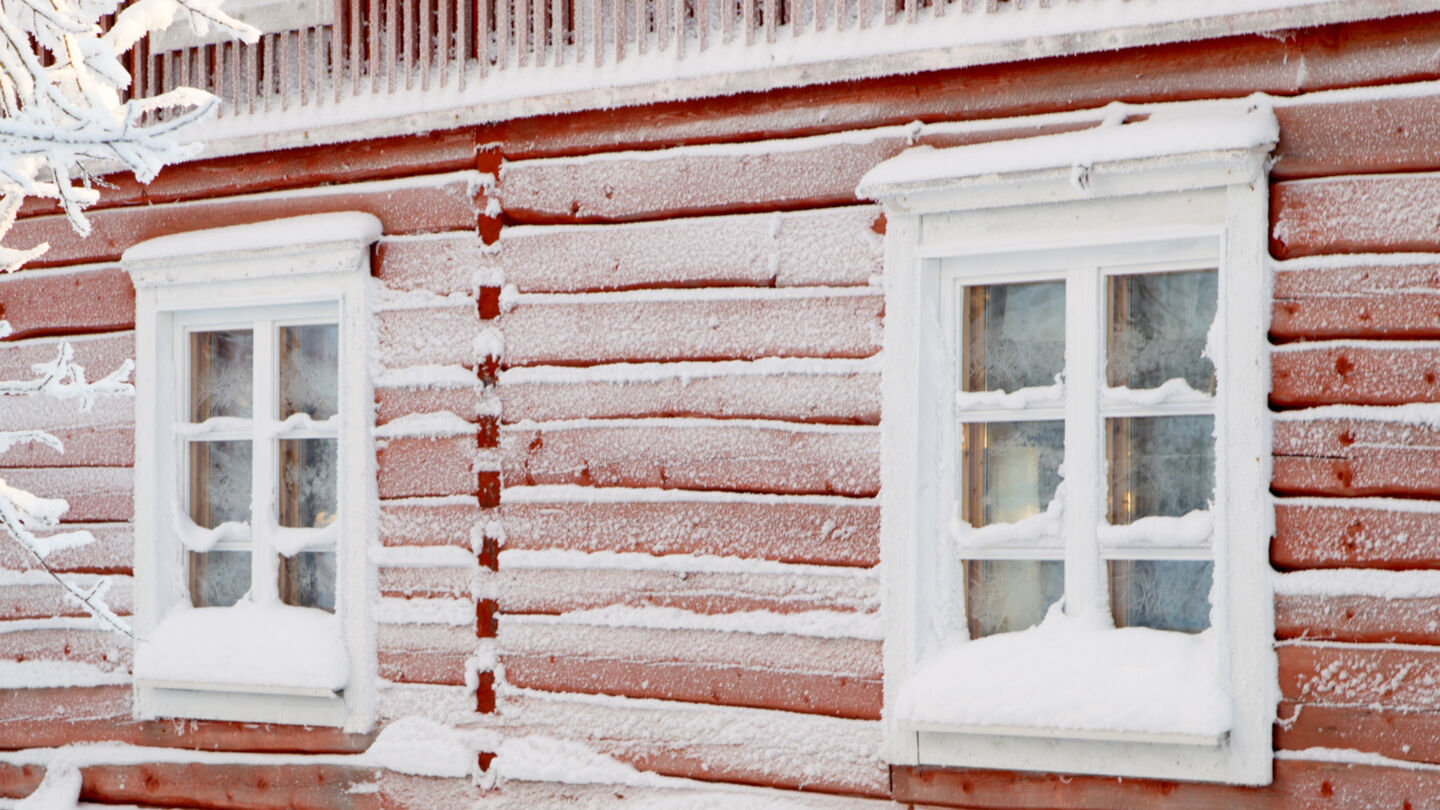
pixel 1075 450
pixel 255 473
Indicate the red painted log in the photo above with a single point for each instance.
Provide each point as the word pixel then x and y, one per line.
pixel 441 264
pixel 1402 735
pixel 408 523
pixel 705 456
pixel 433 336
pixel 95 494
pixel 99 446
pixel 562 590
pixel 650 330
pixel 1380 676
pixel 72 303
pixel 828 533
pixel 1354 458
pixel 1364 301
pixel 111 553
pixel 393 403
pixel 410 467
pixel 1358 619
pixel 1332 536
pixel 1357 137
pixel 104 649
pixel 1357 214
pixel 1355 375
pixel 424 653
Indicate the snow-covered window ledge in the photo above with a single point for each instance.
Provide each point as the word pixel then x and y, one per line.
pixel 254 478
pixel 1075 449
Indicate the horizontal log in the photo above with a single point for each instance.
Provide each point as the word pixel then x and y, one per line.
pixel 1383 677
pixel 44 600
pixel 95 494
pixel 1363 301
pixel 827 533
pixel 1355 214
pixel 98 354
pixel 1401 735
pixel 1344 457
pixel 404 791
pixel 828 398
pixel 827 247
pixel 104 649
pixel 426 583
pixel 560 590
pixel 113 552
pixel 421 523
pixel 1358 618
pixel 714 743
pixel 431 336
pixel 299 787
pixel 442 264
pixel 103 446
pixel 1298 785
pixel 601 331
pixel 718 456
pixel 46 718
pixel 410 467
pixel 689 181
pixel 720 797
pixel 412 653
pixel 1355 375
pixel 80 302
pixel 1336 536
pixel 405 206
pixel 393 403
pixel 1357 137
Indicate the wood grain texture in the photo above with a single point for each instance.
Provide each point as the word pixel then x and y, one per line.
pixel 1340 536
pixel 82 302
pixel 1358 619
pixel 1344 457
pixel 1355 375
pixel 1363 301
pixel 410 467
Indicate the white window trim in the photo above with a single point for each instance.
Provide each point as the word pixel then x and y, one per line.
pixel 944 203
pixel 322 259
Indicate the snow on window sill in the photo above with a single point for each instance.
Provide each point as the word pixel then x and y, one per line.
pixel 246 648
pixel 1068 679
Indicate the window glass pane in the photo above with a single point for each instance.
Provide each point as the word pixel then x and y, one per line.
pixel 309 363
pixel 307 483
pixel 1014 336
pixel 219 482
pixel 1163 594
pixel 221 382
pixel 1160 465
pixel 1011 469
pixel 308 580
pixel 1006 595
pixel 1159 323
pixel 219 578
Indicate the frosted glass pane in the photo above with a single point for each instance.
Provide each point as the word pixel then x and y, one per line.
pixel 1011 469
pixel 1163 594
pixel 221 381
pixel 1160 465
pixel 1014 336
pixel 308 370
pixel 219 578
pixel 219 483
pixel 307 483
pixel 308 580
pixel 1158 326
pixel 1006 595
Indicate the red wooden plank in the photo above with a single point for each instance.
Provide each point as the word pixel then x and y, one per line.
pixel 40 601
pixel 432 336
pixel 442 264
pixel 421 524
pixel 95 494
pixel 405 208
pixel 102 446
pixel 709 457
pixel 423 466
pixel 1385 677
pixel 602 331
pixel 1353 458
pixel 832 247
pixel 828 398
pixel 1309 536
pixel 1402 735
pixel 105 649
pixel 824 533
pixel 796 691
pixel 111 553
pixel 100 354
pixel 562 590
pixel 660 187
pixel 1358 137
pixel 297 787
pixel 1355 375
pixel 1363 301
pixel 424 654
pixel 393 403
pixel 1342 215
pixel 81 302
pixel 1358 619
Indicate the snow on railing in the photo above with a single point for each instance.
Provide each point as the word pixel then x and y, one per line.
pixel 337 62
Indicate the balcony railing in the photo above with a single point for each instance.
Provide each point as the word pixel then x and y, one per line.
pixel 337 63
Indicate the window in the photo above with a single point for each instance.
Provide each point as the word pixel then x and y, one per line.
pixel 1075 456
pixel 254 473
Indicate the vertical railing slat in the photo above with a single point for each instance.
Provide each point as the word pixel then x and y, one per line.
pixel 522 32
pixel 772 19
pixel 597 30
pixel 357 59
pixel 302 66
pixel 373 38
pixel 407 36
pixel 619 6
pixel 392 42
pixel 538 30
pixel 426 40
pixel 462 48
pixel 482 36
pixel 557 30
pixel 749 6
pixel 702 23
pixel 442 42
pixel 502 32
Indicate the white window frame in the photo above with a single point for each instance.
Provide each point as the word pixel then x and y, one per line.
pixel 946 216
pixel 314 268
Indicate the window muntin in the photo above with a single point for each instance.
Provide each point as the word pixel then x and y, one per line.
pixel 260 453
pixel 1085 418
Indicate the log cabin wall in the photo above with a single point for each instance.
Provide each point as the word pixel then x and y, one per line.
pixel 662 323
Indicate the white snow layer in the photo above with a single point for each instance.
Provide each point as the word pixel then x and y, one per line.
pixel 347 226
pixel 1215 127
pixel 1070 674
pixel 247 644
pixel 1359 582
pixel 814 623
